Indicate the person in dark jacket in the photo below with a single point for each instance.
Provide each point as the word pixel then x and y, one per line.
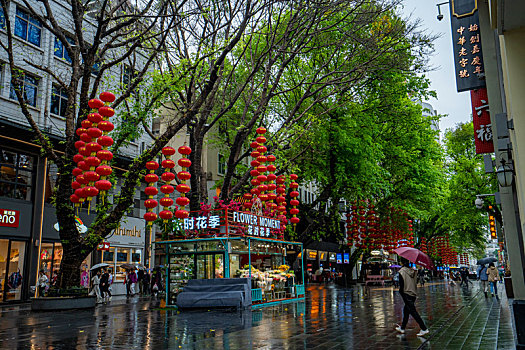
pixel 104 285
pixel 408 291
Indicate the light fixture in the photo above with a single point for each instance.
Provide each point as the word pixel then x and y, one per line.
pixel 505 174
pixel 440 15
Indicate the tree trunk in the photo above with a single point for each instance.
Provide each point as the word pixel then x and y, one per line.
pixel 72 258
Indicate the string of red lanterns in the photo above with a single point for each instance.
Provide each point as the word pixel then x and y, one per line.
pixel 183 188
pixel 151 191
pixel 167 189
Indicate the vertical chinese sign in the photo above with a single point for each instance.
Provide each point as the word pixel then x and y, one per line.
pixel 468 58
pixel 482 124
pixel 470 73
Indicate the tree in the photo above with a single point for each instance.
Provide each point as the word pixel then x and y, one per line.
pixel 121 33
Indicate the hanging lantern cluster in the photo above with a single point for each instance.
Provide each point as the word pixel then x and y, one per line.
pixel 183 188
pixel 90 173
pixel 258 172
pixel 423 245
pixel 281 200
pixel 167 189
pixel 270 178
pixel 367 229
pixel 294 202
pixel 443 249
pixel 151 191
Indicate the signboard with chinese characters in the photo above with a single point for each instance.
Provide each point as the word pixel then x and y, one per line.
pixel 339 258
pixel 323 256
pixel 257 225
pixel 104 246
pixel 346 258
pixel 481 121
pixel 9 218
pixel 468 58
pixel 311 254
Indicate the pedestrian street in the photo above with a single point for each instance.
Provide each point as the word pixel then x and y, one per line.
pixel 331 318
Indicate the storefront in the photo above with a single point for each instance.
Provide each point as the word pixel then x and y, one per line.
pixel 235 253
pixel 126 246
pixel 15 233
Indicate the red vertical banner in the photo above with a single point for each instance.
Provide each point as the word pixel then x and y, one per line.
pixel 481 119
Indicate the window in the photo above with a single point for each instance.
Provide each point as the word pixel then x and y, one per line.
pixel 27 27
pixel 58 101
pixel 2 18
pixel 221 169
pixel 29 85
pixel 128 75
pixel 16 175
pixel 60 50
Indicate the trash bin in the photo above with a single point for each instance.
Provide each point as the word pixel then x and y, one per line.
pixel 508 287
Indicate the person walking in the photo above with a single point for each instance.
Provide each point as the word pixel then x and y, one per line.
pixel 464 276
pixel 42 283
pixel 96 286
pixel 493 278
pixel 421 277
pixel 484 278
pixel 133 279
pixel 146 281
pixel 104 285
pixel 140 277
pixel 408 291
pixel 127 282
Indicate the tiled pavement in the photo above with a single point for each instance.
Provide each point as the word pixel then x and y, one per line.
pixel 331 318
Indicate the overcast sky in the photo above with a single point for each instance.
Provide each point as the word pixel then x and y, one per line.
pixel 449 102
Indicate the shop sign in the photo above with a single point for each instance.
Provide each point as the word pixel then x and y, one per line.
pixel 104 246
pixel 481 120
pixel 468 56
pixel 331 257
pixel 346 258
pixel 128 233
pixel 311 254
pixel 323 256
pixel 339 258
pixel 257 225
pixel 202 222
pixel 9 218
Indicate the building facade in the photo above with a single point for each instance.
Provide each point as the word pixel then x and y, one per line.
pixel 26 177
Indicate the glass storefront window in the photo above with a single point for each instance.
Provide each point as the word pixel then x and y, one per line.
pixel 4 246
pixel 16 265
pixel 16 175
pixel 136 255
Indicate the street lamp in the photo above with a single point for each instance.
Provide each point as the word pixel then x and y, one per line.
pixel 440 15
pixel 505 174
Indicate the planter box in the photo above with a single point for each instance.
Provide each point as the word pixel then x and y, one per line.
pixel 62 303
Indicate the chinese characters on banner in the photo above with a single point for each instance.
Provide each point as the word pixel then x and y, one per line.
pixel 202 222
pixel 468 58
pixel 482 124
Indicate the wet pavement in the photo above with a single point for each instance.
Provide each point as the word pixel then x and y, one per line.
pixel 331 318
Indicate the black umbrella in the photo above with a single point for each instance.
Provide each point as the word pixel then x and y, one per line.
pixel 486 260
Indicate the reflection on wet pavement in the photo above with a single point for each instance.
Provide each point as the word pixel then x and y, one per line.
pixel 331 318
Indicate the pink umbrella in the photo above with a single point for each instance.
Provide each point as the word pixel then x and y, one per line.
pixel 414 255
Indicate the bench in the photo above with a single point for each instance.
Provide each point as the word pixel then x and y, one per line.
pixel 374 279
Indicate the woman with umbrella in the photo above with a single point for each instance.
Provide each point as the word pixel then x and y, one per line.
pixel 408 286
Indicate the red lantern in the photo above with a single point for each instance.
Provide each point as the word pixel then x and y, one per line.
pixel 294 185
pixel 294 194
pixel 294 220
pixel 261 139
pixel 166 215
pixel 152 165
pixel 91 191
pixel 183 201
pixel 254 144
pixel 261 159
pixel 150 216
pixel 254 163
pixel 166 202
pixel 168 176
pixel 91 176
pixel 294 202
pixel 185 150
pixel 93 147
pixel 85 137
pixel 263 197
pixel 104 170
pixel 271 158
pixel 107 96
pixel 80 192
pixel 183 188
pixel 262 149
pixel 150 203
pixel 151 191
pixel 253 172
pixel 94 117
pixel 106 111
pixel 82 165
pixel 261 168
pixel 184 162
pixel 168 151
pixel 271 187
pixel 103 185
pixel 167 189
pixel 105 141
pixel 150 178
pixel 261 178
pixel 81 131
pixel 293 177
pixel 94 133
pixel 294 211
pixel 255 154
pixel 181 214
pixel 106 126
pixel 261 130
pixel 79 144
pixel 95 103
pixel 86 124
pixel 92 161
pixel 184 175
pixel 271 177
pixel 104 155
pixel 74 198
pixel 168 163
pixel 75 185
pixel 271 168
pixel 248 196
pixel 77 158
pixel 255 182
